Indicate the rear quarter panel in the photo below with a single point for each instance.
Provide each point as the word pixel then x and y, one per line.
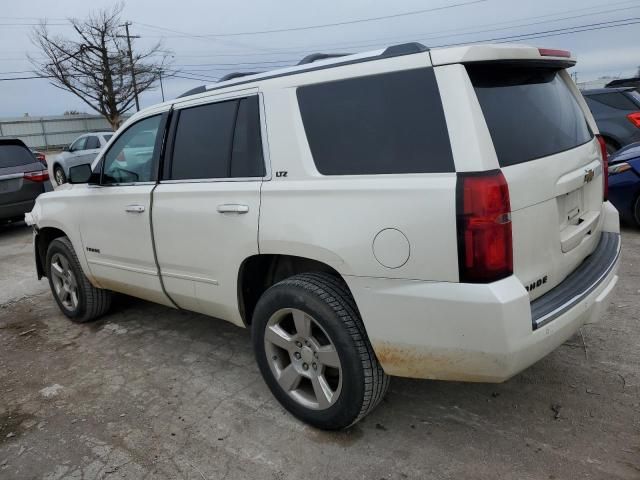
pixel 335 219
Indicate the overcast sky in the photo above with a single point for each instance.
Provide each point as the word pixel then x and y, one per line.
pixel 186 27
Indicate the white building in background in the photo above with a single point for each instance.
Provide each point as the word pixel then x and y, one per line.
pixel 597 83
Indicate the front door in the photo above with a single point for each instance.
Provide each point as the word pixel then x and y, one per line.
pixel 115 225
pixel 205 210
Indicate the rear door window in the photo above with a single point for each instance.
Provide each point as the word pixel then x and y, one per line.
pixel 15 156
pixel 92 143
pixel 388 123
pixel 531 112
pixel 218 140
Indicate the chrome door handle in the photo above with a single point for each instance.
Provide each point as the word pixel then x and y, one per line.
pixel 134 208
pixel 233 208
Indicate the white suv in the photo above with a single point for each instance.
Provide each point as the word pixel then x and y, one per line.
pixel 423 213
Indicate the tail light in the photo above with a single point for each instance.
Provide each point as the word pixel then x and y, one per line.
pixel 605 167
pixel 37 176
pixel 41 158
pixel 485 248
pixel 634 118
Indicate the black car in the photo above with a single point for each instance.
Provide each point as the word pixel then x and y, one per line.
pixel 617 113
pixel 22 179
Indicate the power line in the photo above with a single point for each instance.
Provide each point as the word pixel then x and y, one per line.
pixel 325 25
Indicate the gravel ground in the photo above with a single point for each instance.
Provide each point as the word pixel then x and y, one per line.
pixel 149 392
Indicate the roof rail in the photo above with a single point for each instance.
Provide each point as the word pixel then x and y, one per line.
pixel 313 57
pixel 193 91
pixel 232 75
pixel 392 51
pixel 404 49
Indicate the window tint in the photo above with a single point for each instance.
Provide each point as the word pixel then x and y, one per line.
pixel 247 158
pixel 130 158
pixel 389 123
pixel 78 145
pixel 617 100
pixel 15 155
pixel 202 146
pixel 530 112
pixel 107 137
pixel 218 140
pixel 92 143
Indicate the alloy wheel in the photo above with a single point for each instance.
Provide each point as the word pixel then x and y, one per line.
pixel 64 282
pixel 303 359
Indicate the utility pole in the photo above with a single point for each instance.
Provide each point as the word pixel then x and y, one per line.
pixel 133 71
pixel 161 87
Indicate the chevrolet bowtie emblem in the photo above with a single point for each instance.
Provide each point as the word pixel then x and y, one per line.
pixel 588 176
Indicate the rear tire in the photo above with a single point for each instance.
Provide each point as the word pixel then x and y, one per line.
pixel 636 212
pixel 77 298
pixel 59 175
pixel 319 364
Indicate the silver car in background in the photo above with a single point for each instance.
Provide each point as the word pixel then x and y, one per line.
pixel 83 150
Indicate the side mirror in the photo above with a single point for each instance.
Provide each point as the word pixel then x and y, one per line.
pixel 67 148
pixel 83 174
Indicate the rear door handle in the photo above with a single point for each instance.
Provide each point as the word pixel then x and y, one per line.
pixel 233 208
pixel 134 208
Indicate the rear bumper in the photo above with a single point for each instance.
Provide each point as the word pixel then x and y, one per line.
pixel 15 210
pixel 467 332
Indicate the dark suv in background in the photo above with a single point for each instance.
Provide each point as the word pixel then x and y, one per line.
pixel 617 113
pixel 22 178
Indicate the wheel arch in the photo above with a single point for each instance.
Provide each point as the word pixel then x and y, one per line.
pixel 44 237
pixel 259 272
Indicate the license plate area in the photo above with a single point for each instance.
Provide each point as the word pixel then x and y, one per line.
pixel 571 208
pixel 10 185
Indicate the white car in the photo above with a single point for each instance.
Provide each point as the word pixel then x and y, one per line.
pixel 83 149
pixel 434 214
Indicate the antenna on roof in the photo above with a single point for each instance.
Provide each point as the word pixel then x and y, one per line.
pixel 313 57
pixel 230 76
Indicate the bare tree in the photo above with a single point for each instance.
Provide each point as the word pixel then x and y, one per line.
pixel 96 66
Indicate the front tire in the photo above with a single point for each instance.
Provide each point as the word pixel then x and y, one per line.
pixel 77 298
pixel 313 352
pixel 59 175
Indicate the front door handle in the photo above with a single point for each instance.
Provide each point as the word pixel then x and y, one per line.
pixel 134 208
pixel 233 208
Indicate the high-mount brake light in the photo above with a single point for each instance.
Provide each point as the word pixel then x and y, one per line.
pixel 552 52
pixel 485 245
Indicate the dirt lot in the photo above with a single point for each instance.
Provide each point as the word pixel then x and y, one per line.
pixel 149 392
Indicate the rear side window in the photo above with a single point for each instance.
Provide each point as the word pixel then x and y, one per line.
pixel 530 112
pixel 388 123
pixel 218 140
pixel 15 155
pixel 617 100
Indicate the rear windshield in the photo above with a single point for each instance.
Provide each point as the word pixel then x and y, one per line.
pixel 530 112
pixel 617 100
pixel 15 155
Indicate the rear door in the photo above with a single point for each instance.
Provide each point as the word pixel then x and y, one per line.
pixel 206 208
pixel 552 162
